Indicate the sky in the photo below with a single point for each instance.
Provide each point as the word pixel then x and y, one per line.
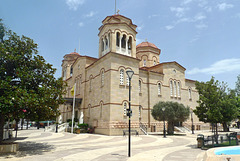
pixel 201 35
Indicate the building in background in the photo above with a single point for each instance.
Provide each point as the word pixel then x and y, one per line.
pixel 102 84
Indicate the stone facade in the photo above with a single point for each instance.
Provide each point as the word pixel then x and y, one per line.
pixel 102 85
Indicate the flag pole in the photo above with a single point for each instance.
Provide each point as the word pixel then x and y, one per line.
pixel 73 107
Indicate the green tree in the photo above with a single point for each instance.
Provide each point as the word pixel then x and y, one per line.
pixel 28 88
pixel 174 113
pixel 215 104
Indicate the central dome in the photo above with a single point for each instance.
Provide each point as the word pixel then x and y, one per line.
pixel 147 44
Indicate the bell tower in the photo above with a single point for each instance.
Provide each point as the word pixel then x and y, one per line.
pixel 118 35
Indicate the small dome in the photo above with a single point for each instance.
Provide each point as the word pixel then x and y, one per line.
pixel 147 44
pixel 74 53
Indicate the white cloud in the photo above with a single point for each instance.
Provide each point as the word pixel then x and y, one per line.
pixel 222 66
pixel 201 26
pixel 154 15
pixel 139 28
pixel 180 11
pixel 169 27
pixel 199 16
pixel 224 6
pixel 91 14
pixel 186 2
pixel 80 24
pixel 73 4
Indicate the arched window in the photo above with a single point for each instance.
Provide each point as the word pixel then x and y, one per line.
pixel 175 89
pixel 71 71
pixel 171 88
pixel 106 43
pixel 125 109
pixel 123 41
pixel 102 42
pixel 79 85
pixel 121 76
pixel 90 84
pixel 130 43
pixel 101 110
pixel 190 93
pixel 64 74
pixel 178 89
pixel 102 78
pixel 140 112
pixel 154 62
pixel 140 86
pixel 118 39
pixel 159 88
pixel 89 110
pixel 144 62
pixel 127 80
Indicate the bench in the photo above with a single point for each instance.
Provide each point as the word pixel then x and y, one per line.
pixel 125 132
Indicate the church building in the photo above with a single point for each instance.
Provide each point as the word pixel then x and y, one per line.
pixel 102 85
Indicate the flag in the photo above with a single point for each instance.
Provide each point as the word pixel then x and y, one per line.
pixel 72 90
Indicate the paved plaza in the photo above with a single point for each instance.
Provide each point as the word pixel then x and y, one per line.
pixel 37 145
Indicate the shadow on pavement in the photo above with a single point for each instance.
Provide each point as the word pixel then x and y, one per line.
pixel 28 149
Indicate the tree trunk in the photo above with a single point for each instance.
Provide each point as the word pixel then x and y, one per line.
pixel 216 134
pixel 1 127
pixel 27 123
pixel 22 121
pixel 225 127
pixel 170 128
pixel 17 121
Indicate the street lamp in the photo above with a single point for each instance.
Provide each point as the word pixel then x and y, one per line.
pixel 129 111
pixel 192 121
pixel 164 130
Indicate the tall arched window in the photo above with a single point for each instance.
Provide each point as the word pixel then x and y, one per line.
pixel 130 43
pixel 190 93
pixel 125 109
pixel 123 41
pixel 106 43
pixel 140 86
pixel 89 110
pixel 101 110
pixel 121 76
pixel 175 89
pixel 140 112
pixel 102 42
pixel 90 84
pixel 71 71
pixel 102 78
pixel 178 89
pixel 79 85
pixel 127 80
pixel 118 39
pixel 64 74
pixel 144 62
pixel 159 88
pixel 171 88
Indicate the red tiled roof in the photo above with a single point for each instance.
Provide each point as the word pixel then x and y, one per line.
pixel 147 44
pixel 74 53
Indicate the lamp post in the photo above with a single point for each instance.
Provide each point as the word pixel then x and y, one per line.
pixel 164 129
pixel 129 111
pixel 192 121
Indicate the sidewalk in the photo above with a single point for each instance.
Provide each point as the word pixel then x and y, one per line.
pixel 37 145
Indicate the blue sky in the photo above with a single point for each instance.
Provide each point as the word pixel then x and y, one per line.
pixel 201 35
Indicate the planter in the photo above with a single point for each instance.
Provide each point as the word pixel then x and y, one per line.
pixel 78 131
pixel 9 147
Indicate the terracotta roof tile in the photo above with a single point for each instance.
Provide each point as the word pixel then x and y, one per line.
pixel 147 44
